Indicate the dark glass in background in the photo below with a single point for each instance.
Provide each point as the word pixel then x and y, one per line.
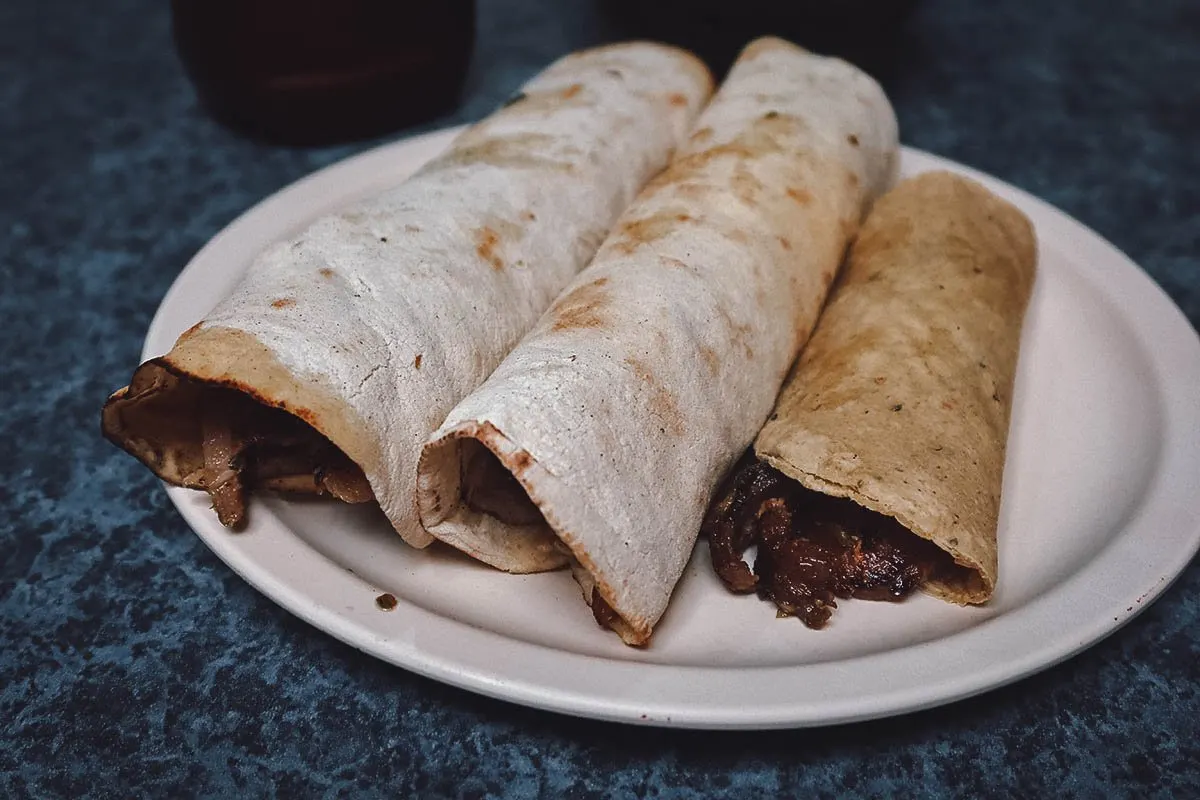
pixel 320 71
pixel 865 32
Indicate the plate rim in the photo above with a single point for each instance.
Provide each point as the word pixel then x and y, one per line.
pixel 447 661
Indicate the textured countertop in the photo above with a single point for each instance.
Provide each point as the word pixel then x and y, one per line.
pixel 134 663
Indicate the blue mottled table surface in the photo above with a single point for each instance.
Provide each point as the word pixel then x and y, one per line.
pixel 134 663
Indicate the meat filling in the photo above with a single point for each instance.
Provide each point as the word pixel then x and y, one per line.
pixel 605 616
pixel 247 447
pixel 489 488
pixel 812 549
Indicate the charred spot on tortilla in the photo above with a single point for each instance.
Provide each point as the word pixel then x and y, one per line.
pixel 325 272
pixel 517 151
pixel 663 403
pixel 774 122
pixel 747 186
pixel 572 90
pixel 853 140
pixel 692 163
pixel 417 361
pixel 813 549
pixel 638 232
pixel 283 302
pixel 583 308
pixel 387 602
pixel 676 99
pixel 486 242
pixel 801 196
pixel 738 235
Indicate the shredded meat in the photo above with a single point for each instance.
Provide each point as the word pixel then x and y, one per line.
pixel 489 488
pixel 731 522
pixel 603 612
pixel 344 480
pixel 812 549
pixel 247 446
pixel 221 477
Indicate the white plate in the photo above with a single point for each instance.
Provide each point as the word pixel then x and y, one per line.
pixel 1100 513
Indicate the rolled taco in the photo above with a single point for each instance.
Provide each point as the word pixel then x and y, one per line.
pixel 342 349
pixel 598 441
pixel 879 471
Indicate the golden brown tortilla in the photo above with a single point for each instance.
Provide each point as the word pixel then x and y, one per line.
pixel 901 400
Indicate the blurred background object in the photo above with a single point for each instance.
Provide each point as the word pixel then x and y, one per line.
pixel 307 72
pixel 862 31
pixel 322 71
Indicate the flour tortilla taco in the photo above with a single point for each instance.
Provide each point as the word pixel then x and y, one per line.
pixel 879 471
pixel 597 442
pixel 343 348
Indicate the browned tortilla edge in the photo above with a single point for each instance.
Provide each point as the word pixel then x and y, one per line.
pixel 543 489
pixel 944 230
pixel 230 359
